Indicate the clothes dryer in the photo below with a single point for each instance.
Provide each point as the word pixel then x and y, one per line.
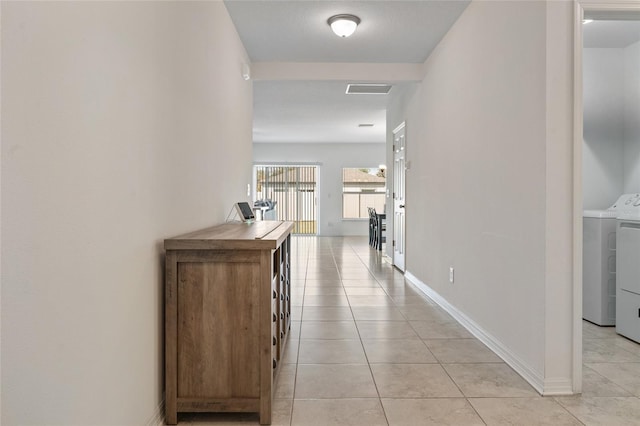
pixel 628 271
pixel 599 262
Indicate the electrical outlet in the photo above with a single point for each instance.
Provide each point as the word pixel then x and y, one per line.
pixel 451 276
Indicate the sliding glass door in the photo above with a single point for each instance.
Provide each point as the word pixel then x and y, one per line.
pixel 293 189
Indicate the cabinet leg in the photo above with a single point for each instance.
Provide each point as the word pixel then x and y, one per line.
pixel 265 417
pixel 171 417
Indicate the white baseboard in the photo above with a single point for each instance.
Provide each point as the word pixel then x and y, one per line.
pixel 558 386
pixel 157 419
pixel 534 378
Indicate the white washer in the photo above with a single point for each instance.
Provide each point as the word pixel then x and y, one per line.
pixel 628 267
pixel 599 262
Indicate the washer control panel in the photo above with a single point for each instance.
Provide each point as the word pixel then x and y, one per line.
pixel 626 201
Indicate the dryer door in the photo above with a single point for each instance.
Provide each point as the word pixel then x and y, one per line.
pixel 628 259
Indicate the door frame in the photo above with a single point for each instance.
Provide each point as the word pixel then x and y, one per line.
pixel 317 197
pixel 392 231
pixel 597 10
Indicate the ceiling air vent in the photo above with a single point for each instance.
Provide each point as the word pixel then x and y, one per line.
pixel 368 89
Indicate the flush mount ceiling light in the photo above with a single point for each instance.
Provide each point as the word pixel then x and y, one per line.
pixel 343 25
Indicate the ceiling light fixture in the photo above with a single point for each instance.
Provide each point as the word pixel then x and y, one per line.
pixel 587 21
pixel 344 25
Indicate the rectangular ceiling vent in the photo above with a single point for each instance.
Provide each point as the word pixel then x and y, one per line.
pixel 368 89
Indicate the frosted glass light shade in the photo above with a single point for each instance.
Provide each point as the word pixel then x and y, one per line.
pixel 344 25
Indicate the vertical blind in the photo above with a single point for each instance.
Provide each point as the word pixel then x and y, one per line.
pixel 293 188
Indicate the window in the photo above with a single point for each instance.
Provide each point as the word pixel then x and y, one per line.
pixel 362 188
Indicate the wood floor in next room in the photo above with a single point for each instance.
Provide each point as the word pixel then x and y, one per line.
pixel 367 348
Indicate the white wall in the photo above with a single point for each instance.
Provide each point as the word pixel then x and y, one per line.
pixel 490 143
pixel 332 157
pixel 632 118
pixel 604 93
pixel 611 155
pixel 116 118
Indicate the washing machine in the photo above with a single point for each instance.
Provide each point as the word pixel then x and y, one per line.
pixel 599 262
pixel 628 271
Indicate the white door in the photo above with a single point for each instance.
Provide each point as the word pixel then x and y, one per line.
pixel 399 168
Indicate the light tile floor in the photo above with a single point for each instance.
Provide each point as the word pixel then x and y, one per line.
pixel 367 348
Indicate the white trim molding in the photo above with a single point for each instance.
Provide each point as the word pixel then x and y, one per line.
pixel 534 378
pixel 593 9
pixel 558 387
pixel 577 199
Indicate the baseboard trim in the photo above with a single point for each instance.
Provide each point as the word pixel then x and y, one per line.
pixel 534 378
pixel 558 387
pixel 157 418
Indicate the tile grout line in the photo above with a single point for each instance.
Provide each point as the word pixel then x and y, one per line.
pixel 375 384
pixel 567 410
pixel 295 376
pixel 432 354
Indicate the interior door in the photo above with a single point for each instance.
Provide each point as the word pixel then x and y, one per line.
pixel 399 168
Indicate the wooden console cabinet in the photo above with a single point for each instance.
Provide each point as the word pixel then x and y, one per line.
pixel 227 317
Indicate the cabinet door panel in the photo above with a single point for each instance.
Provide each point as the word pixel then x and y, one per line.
pixel 218 324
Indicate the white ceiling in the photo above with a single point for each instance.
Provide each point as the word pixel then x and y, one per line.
pixel 391 31
pixel 611 34
pixel 318 111
pixel 297 31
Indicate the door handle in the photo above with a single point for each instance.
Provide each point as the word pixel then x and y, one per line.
pixel 401 206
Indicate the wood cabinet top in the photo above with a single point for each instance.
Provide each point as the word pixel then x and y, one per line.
pixel 263 235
